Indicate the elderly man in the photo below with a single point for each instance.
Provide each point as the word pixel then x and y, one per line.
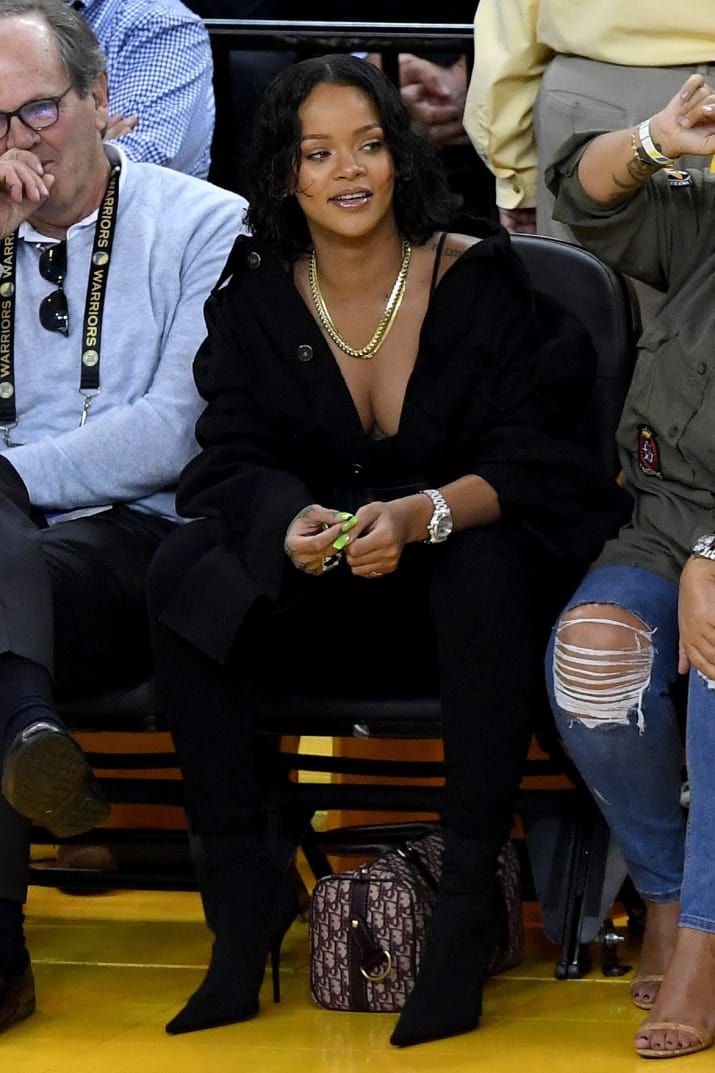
pixel 105 267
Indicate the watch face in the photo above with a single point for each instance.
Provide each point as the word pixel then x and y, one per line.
pixel 440 524
pixel 443 528
pixel 440 527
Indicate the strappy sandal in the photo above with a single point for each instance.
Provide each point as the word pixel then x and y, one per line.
pixel 703 1040
pixel 646 979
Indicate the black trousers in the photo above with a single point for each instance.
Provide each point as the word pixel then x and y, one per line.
pixel 72 599
pixel 472 616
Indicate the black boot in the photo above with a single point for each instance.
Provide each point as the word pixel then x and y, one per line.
pixel 463 934
pixel 287 903
pixel 17 986
pixel 244 893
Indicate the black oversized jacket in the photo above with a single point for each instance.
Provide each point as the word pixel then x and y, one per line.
pixel 499 388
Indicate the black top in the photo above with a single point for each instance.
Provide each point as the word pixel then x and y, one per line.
pixel 498 388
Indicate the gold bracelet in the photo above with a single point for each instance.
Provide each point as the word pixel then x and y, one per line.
pixel 651 149
pixel 641 157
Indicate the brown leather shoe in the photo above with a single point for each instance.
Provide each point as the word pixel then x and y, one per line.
pixel 47 779
pixel 82 859
pixel 17 997
pixel 86 858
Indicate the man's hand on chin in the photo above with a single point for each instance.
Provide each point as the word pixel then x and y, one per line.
pixel 24 186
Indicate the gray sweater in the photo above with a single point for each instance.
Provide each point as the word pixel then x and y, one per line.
pixel 172 237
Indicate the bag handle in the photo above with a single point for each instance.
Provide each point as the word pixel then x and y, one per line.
pixel 412 857
pixel 374 963
pixel 372 956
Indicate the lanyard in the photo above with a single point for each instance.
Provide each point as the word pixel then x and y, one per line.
pixel 93 312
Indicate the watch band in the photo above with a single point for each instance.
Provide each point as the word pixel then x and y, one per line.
pixel 704 547
pixel 440 524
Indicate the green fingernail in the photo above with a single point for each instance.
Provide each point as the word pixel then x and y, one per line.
pixel 340 542
pixel 348 525
pixel 343 515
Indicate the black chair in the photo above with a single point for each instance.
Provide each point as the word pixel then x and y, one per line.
pixel 575 870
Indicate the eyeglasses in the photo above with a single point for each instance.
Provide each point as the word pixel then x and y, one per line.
pixel 54 312
pixel 37 115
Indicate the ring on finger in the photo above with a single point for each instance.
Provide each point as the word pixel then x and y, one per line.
pixel 330 562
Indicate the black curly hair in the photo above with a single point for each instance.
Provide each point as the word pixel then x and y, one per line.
pixel 423 201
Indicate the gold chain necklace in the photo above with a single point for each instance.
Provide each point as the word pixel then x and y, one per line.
pixel 386 320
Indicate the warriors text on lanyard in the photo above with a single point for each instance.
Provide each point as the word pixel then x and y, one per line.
pixel 94 306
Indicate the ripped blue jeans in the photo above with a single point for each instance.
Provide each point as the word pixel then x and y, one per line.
pixel 615 714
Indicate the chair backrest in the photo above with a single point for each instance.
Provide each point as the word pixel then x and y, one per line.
pixel 605 302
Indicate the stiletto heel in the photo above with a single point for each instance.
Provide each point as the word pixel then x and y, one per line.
pixel 285 914
pixel 275 972
pixel 247 901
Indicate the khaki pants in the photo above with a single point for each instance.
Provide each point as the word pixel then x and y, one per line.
pixel 577 94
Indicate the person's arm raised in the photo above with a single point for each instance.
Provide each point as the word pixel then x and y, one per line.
pixel 615 166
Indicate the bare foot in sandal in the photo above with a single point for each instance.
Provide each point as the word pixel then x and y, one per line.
pixel 661 932
pixel 682 1020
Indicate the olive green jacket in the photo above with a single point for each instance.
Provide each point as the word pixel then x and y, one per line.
pixel 665 236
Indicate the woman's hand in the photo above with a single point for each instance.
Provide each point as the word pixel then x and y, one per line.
pixel 696 616
pixel 686 126
pixel 381 532
pixel 608 170
pixel 309 538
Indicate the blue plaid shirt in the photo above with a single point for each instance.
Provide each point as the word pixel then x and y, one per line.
pixel 160 69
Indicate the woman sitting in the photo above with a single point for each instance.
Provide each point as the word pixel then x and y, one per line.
pixel 646 611
pixel 390 455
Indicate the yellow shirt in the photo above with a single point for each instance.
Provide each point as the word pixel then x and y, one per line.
pixel 516 39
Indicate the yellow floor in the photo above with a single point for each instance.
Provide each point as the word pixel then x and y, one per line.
pixel 112 968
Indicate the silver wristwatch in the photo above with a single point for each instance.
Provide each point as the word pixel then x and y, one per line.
pixel 441 523
pixel 704 547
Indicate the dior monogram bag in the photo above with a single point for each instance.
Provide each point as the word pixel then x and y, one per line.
pixel 367 927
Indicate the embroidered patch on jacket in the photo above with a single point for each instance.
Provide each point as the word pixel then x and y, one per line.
pixel 677 177
pixel 648 452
